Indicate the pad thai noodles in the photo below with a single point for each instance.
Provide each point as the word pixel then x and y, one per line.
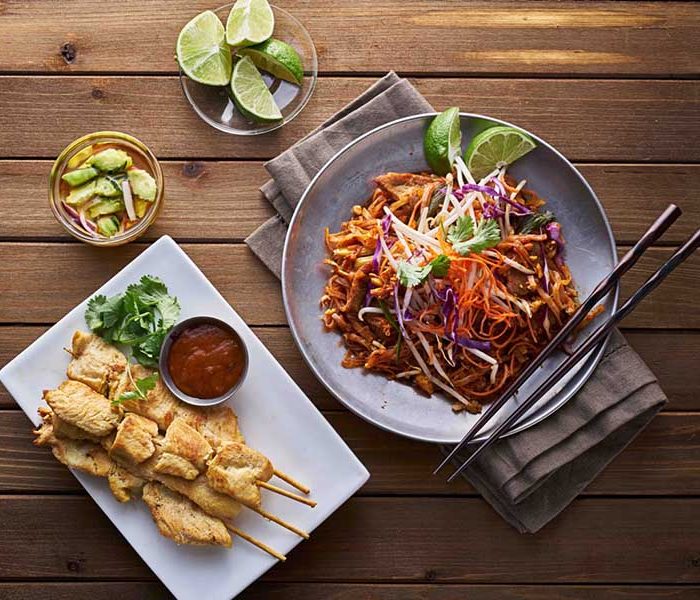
pixel 448 284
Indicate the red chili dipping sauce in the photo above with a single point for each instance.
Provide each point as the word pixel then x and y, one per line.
pixel 206 361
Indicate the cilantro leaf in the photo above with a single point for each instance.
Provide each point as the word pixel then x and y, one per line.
pixel 461 230
pixel 486 235
pixel 140 318
pixel 141 388
pixel 440 265
pixel 534 222
pixel 411 275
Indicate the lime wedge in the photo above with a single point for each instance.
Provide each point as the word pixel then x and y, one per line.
pixel 202 51
pixel 250 94
pixel 278 59
pixel 494 148
pixel 442 141
pixel 249 22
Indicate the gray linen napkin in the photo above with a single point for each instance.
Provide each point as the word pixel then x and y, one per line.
pixel 529 478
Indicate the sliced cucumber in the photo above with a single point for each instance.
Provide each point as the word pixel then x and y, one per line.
pixel 108 226
pixel 81 194
pixel 111 160
pixel 142 184
pixel 107 206
pixel 80 176
pixel 108 186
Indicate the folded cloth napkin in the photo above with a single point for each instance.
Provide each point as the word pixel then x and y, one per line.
pixel 529 478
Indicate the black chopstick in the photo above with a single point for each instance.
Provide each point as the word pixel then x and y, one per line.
pixel 681 254
pixel 657 229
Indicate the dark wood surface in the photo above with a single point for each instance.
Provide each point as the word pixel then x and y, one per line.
pixel 614 85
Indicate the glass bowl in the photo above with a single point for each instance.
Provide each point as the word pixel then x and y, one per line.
pixel 132 146
pixel 215 107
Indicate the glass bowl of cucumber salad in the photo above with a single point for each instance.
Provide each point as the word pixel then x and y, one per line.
pixel 106 188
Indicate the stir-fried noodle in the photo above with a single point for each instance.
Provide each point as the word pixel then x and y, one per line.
pixel 448 284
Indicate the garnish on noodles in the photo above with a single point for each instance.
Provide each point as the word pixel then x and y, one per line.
pixel 448 284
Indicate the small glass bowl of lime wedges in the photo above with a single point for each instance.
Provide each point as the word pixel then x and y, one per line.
pixel 245 88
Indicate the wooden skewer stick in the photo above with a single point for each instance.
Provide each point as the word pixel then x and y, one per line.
pixel 283 492
pixel 255 542
pixel 274 519
pixel 293 482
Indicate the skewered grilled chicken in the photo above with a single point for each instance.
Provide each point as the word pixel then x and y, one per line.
pixel 194 479
pixel 95 363
pixel 80 406
pixel 134 441
pixel 185 451
pixel 181 520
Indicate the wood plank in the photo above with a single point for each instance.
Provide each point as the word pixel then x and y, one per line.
pixel 239 276
pixel 663 461
pixel 592 120
pixel 670 354
pixel 635 542
pixel 217 200
pixel 345 591
pixel 634 38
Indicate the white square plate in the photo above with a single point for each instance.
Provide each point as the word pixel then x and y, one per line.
pixel 274 415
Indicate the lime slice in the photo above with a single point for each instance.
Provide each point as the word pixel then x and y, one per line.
pixel 442 141
pixel 249 22
pixel 202 51
pixel 494 148
pixel 250 94
pixel 278 59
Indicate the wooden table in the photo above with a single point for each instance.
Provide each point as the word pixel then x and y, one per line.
pixel 613 85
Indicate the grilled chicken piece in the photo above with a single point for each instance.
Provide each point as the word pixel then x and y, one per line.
pixel 124 485
pixel 63 429
pixel 160 404
pixel 235 469
pixel 134 439
pixel 81 406
pixel 181 520
pixel 95 363
pixel 185 451
pixel 197 490
pixel 218 424
pixel 79 454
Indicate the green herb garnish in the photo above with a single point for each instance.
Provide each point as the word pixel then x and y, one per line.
pixel 141 388
pixel 411 275
pixel 536 221
pixel 140 318
pixel 467 238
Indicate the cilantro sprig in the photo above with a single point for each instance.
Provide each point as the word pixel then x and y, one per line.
pixel 466 237
pixel 141 388
pixel 411 275
pixel 139 318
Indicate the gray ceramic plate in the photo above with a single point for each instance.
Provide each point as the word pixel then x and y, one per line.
pixel 347 180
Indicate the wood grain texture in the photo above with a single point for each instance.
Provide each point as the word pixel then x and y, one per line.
pixel 546 38
pixel 220 200
pixel 394 539
pixel 591 120
pixel 344 591
pixel 671 355
pixel 243 281
pixel 664 460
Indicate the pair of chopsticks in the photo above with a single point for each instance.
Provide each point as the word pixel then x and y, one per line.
pixel 657 229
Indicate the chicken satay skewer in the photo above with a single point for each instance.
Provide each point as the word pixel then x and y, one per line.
pixel 274 519
pixel 283 492
pixel 291 481
pixel 250 539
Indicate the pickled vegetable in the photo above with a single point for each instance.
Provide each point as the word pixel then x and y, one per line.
pixel 108 226
pixel 81 194
pixel 111 160
pixel 105 207
pixel 108 186
pixel 80 176
pixel 142 184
